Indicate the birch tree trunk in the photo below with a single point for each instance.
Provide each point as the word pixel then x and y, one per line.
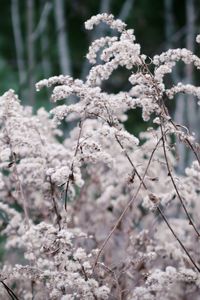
pixel 30 50
pixel 63 43
pixel 19 45
pixel 125 10
pixel 44 40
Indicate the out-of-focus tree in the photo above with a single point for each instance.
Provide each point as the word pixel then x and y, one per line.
pixel 62 34
pixel 19 44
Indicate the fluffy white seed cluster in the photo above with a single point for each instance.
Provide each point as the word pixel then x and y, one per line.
pixel 108 19
pixel 184 88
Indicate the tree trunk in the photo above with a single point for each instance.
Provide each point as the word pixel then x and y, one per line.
pixel 19 46
pixel 30 49
pixel 63 44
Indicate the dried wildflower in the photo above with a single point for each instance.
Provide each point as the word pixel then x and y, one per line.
pixel 58 255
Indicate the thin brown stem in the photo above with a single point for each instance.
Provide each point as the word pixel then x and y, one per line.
pixel 127 206
pixel 131 162
pixel 174 184
pixel 71 175
pixel 9 291
pixel 58 216
pixel 189 143
pixel 177 238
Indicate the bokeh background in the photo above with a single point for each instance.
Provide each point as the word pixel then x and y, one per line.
pixel 41 38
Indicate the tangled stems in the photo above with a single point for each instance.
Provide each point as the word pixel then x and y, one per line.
pixel 174 184
pixel 157 205
pixel 9 291
pixel 130 203
pixel 71 175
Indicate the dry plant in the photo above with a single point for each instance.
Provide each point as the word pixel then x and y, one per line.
pixel 103 214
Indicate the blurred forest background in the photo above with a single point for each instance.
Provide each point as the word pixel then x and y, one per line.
pixel 41 38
